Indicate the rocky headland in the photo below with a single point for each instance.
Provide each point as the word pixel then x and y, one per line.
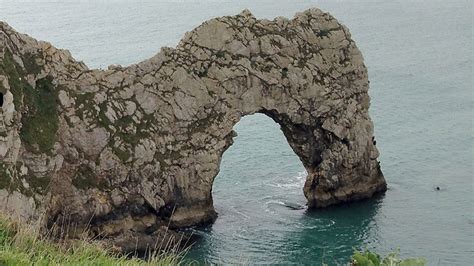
pixel 129 150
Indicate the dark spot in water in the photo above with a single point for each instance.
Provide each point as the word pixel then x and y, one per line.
pixel 437 188
pixel 294 206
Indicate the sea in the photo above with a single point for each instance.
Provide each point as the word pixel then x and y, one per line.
pixel 419 55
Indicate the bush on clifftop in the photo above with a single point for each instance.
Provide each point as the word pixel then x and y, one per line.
pixel 369 258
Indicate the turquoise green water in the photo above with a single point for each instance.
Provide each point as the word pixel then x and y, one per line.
pixel 420 58
pixel 262 214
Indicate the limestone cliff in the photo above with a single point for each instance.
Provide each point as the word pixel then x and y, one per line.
pixel 128 149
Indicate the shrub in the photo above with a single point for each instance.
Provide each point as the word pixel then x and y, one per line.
pixel 369 258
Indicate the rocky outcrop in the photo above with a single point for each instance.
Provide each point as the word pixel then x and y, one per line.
pixel 130 149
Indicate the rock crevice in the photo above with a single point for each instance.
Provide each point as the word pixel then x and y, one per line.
pixel 138 147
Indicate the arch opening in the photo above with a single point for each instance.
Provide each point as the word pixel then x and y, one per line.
pixel 259 173
pixel 1 100
pixel 257 192
pixel 337 169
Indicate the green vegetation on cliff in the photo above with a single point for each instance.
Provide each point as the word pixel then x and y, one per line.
pixel 16 77
pixel 40 123
pixel 369 258
pixel 5 176
pixel 85 178
pixel 38 105
pixel 21 245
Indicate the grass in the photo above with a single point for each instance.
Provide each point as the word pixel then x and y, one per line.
pixel 369 258
pixel 22 245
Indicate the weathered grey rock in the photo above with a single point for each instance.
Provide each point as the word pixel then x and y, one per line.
pixel 130 149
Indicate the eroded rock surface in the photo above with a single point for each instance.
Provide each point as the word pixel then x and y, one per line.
pixel 130 149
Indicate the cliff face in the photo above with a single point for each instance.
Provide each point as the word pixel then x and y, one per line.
pixel 137 147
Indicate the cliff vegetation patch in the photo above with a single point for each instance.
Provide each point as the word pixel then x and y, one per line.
pixel 40 120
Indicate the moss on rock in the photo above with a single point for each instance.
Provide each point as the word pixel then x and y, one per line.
pixel 128 137
pixel 85 105
pixel 30 63
pixel 37 105
pixel 85 178
pixel 40 120
pixel 123 155
pixel 38 185
pixel 16 77
pixel 5 176
pixel 7 179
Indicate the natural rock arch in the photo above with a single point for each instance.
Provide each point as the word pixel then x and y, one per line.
pixel 135 147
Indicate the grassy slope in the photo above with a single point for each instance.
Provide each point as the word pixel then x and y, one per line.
pixel 21 246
